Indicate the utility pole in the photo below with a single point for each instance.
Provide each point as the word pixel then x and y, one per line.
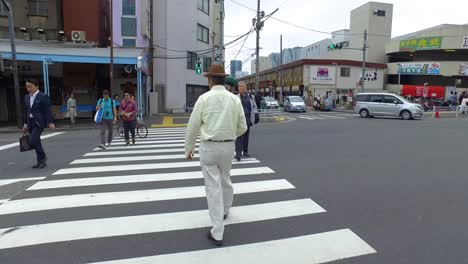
pixel 151 60
pixel 111 66
pixel 281 65
pixel 14 63
pixel 221 32
pixel 258 27
pixel 364 58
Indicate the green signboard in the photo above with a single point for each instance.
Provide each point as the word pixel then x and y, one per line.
pixel 421 44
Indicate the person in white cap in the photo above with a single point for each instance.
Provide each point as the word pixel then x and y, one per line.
pixel 219 118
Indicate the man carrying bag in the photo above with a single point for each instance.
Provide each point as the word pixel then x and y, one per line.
pixel 38 116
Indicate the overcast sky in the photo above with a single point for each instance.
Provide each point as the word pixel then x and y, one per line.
pixel 330 15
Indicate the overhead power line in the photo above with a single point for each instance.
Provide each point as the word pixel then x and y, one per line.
pixel 305 28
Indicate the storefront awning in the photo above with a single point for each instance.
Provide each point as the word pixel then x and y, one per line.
pixel 62 53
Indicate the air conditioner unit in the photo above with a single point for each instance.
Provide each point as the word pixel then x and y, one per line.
pixel 78 36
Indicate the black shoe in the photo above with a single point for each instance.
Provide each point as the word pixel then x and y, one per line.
pixel 133 141
pixel 218 243
pixel 238 158
pixel 226 216
pixel 246 155
pixel 40 164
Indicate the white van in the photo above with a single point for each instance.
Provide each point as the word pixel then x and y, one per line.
pixel 386 104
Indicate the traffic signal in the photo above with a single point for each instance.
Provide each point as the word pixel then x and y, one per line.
pixel 198 67
pixel 335 46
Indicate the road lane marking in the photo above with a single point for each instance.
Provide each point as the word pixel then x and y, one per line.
pixel 145 224
pixel 10 181
pixel 149 146
pixel 42 137
pixel 310 249
pixel 130 158
pixel 136 167
pixel 128 197
pixel 153 142
pixel 130 152
pixel 113 180
pixel 149 139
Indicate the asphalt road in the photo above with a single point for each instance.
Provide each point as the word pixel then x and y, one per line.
pixel 391 191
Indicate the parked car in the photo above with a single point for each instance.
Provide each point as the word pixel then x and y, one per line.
pixel 269 103
pixel 386 104
pixel 294 104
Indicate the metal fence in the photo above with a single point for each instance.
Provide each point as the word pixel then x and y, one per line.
pixel 265 113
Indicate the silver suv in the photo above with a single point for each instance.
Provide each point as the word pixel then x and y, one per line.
pixel 386 104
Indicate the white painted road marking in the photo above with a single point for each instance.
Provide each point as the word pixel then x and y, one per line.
pixel 144 224
pixel 110 180
pixel 153 142
pixel 135 167
pixel 143 146
pixel 130 158
pixel 130 152
pixel 17 144
pixel 10 181
pixel 311 249
pixel 149 139
pixel 139 196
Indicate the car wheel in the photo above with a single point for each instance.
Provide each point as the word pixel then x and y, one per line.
pixel 405 115
pixel 364 113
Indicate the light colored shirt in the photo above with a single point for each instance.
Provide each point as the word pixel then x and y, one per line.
pixel 463 103
pixel 32 98
pixel 71 102
pixel 218 115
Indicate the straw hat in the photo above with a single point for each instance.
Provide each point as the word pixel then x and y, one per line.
pixel 217 70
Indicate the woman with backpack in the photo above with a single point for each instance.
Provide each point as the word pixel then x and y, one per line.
pixel 109 117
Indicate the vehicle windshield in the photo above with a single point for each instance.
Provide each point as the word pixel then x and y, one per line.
pixel 295 99
pixel 269 99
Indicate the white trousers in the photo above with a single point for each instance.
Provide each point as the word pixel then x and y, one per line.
pixel 216 163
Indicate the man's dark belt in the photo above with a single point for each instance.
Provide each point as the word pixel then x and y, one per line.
pixel 229 140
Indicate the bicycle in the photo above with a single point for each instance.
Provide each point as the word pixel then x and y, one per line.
pixel 140 129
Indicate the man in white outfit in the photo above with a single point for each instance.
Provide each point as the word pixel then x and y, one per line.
pixel 219 117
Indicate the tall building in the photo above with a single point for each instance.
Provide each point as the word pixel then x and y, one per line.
pixel 131 23
pixel 236 66
pixel 182 36
pixel 264 64
pixel 275 59
pixel 374 17
pixel 292 54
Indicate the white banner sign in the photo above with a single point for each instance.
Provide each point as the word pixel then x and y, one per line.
pixel 322 74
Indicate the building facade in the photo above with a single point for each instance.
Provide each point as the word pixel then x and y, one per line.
pixel 335 78
pixel 69 53
pixel 131 23
pixel 182 37
pixel 317 50
pixel 264 64
pixel 430 63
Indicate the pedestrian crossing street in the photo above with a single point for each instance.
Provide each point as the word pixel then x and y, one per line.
pixel 145 203
pixel 340 116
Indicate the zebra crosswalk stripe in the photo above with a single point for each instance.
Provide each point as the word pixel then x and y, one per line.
pixel 112 180
pixel 310 249
pixel 131 225
pixel 95 199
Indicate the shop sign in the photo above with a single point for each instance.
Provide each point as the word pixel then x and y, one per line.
pixel 423 91
pixel 322 75
pixel 421 44
pixel 463 70
pixel 424 68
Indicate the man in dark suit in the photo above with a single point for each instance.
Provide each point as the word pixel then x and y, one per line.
pixel 38 116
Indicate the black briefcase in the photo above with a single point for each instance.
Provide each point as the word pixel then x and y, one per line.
pixel 25 145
